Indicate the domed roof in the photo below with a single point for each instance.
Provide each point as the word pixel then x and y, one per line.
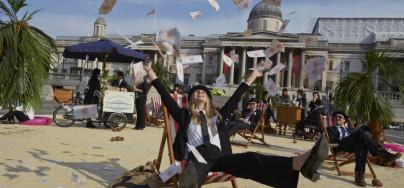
pixel 100 20
pixel 265 9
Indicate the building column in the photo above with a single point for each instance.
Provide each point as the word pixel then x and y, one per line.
pixel 301 74
pixel 231 78
pixel 155 56
pixel 243 64
pixel 290 64
pixel 324 80
pixel 278 75
pixel 205 61
pixel 221 61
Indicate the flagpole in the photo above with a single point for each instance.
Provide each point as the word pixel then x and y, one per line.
pixel 155 21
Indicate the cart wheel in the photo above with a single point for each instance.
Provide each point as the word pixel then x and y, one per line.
pixel 62 118
pixel 316 138
pixel 116 120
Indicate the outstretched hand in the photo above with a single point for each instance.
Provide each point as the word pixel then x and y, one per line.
pixel 254 74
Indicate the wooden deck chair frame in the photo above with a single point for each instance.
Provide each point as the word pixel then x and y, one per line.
pixel 167 137
pixel 156 118
pixel 339 159
pixel 251 136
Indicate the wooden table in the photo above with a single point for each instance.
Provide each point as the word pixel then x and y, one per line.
pixel 288 116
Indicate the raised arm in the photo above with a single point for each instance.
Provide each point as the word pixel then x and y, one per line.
pixel 166 98
pixel 233 101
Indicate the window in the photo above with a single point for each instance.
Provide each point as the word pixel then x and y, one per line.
pixel 330 65
pixel 329 85
pixel 264 25
pixel 346 65
pixel 317 86
pixel 210 60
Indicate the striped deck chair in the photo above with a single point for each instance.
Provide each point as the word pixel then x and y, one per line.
pixel 251 136
pixel 156 117
pixel 342 158
pixel 169 133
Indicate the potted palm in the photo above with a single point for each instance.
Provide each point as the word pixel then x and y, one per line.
pixel 26 55
pixel 357 94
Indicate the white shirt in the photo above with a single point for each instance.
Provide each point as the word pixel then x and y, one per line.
pixel 340 132
pixel 195 138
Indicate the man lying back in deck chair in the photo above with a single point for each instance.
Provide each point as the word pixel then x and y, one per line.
pixel 359 142
pixel 203 142
pixel 249 118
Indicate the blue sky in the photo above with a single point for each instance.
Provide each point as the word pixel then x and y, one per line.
pixel 76 17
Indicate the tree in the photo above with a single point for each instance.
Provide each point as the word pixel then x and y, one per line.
pixel 25 55
pixel 357 95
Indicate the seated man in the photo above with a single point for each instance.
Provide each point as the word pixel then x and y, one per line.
pixel 120 82
pixel 249 118
pixel 356 141
pixel 18 113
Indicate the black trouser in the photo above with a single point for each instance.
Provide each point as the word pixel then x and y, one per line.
pixel 269 113
pixel 359 142
pixel 140 104
pixel 21 116
pixel 275 171
pixel 236 125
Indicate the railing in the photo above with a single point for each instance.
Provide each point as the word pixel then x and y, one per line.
pixel 61 79
pixel 390 95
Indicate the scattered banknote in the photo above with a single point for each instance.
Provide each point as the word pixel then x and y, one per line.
pixel 180 73
pixel 229 62
pixel 106 7
pixel 214 5
pixel 315 67
pixel 256 53
pixel 170 40
pixel 278 67
pixel 275 47
pixel 284 25
pixel 235 57
pixel 195 14
pixel 242 4
pixel 271 87
pixel 290 13
pixel 192 59
pixel 220 81
pixel 264 64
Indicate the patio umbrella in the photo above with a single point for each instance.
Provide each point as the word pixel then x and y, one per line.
pixel 104 50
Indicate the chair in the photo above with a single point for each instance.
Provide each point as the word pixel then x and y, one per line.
pixel 156 117
pixel 250 136
pixel 169 133
pixel 342 158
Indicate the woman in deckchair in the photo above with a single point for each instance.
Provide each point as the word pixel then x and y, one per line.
pixel 203 141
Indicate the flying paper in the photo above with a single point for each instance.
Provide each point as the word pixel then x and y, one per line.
pixel 170 40
pixel 131 43
pixel 284 25
pixel 106 7
pixel 275 47
pixel 235 57
pixel 229 62
pixel 271 87
pixel 214 4
pixel 180 73
pixel 264 64
pixel 315 67
pixel 276 69
pixel 191 59
pixel 195 14
pixel 256 53
pixel 220 81
pixel 242 4
pixel 290 13
pixel 137 73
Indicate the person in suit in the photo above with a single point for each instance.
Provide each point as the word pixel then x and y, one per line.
pixel 120 82
pixel 141 98
pixel 201 134
pixel 249 118
pixel 359 142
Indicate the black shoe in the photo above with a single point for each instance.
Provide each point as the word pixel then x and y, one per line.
pixel 388 157
pixel 359 179
pixel 318 154
pixel 189 176
pixel 139 128
pixel 90 125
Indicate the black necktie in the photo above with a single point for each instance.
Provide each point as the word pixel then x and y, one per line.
pixel 205 133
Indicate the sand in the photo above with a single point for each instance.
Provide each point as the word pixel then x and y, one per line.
pixel 55 157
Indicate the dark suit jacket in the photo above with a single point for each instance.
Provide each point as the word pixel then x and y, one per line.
pixel 333 133
pixel 124 84
pixel 182 116
pixel 254 118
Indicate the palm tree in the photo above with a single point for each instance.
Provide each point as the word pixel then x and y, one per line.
pixel 357 94
pixel 25 56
